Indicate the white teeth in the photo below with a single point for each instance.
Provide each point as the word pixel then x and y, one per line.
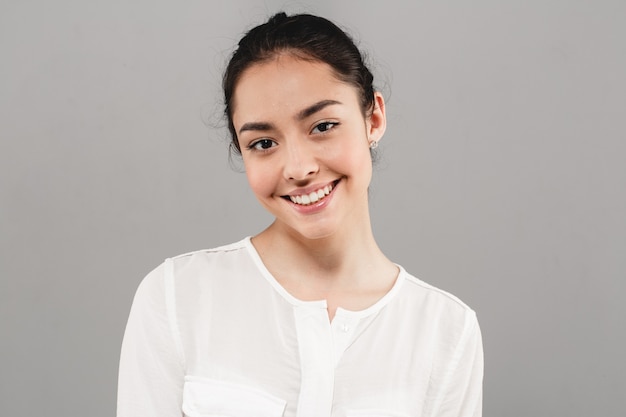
pixel 313 197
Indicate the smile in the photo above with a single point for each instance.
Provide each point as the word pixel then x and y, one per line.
pixel 313 197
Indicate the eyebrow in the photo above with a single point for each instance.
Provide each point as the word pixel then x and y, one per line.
pixel 311 110
pixel 258 126
pixel 303 114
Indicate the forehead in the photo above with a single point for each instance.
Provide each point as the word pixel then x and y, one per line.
pixel 285 85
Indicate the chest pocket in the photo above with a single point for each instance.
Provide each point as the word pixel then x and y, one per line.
pixel 204 397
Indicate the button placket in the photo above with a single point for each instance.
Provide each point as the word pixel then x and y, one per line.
pixel 315 340
pixel 343 330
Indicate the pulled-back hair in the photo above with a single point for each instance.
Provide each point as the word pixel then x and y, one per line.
pixel 307 37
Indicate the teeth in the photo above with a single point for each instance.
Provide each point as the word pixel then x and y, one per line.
pixel 313 197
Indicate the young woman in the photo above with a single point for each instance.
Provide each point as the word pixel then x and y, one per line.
pixel 309 317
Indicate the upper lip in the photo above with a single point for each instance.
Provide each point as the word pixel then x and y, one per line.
pixel 310 189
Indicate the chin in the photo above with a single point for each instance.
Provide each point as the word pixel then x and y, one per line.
pixel 313 232
pixel 315 235
pixel 328 230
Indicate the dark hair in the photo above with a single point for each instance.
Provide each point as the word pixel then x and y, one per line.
pixel 307 37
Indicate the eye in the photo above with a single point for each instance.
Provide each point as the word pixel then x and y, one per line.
pixel 324 127
pixel 262 145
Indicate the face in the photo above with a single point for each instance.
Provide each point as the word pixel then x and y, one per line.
pixel 305 145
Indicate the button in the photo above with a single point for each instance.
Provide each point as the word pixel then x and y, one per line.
pixel 345 328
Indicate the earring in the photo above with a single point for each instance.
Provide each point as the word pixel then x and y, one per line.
pixel 374 144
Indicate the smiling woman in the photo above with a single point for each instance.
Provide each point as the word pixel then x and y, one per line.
pixel 309 317
pixel 314 136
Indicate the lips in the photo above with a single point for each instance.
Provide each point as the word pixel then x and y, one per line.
pixel 313 196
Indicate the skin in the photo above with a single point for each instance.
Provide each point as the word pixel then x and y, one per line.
pixel 301 129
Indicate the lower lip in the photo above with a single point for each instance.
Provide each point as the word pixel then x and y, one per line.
pixel 314 207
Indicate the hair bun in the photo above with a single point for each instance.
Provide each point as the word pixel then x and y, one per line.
pixel 277 18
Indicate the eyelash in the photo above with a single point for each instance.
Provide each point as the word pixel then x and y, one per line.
pixel 331 125
pixel 254 146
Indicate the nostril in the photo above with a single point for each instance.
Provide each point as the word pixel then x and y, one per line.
pixel 300 177
pixel 300 163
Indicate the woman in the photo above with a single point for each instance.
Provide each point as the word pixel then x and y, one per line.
pixel 309 317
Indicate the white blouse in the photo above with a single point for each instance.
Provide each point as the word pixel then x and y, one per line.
pixel 212 333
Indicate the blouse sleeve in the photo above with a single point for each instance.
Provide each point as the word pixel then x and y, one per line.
pixel 462 391
pixel 151 373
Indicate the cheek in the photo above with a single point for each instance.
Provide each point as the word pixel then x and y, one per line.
pixel 260 178
pixel 351 156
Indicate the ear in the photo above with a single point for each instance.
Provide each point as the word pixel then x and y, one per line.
pixel 377 122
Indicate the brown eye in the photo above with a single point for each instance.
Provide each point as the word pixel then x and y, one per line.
pixel 324 127
pixel 262 145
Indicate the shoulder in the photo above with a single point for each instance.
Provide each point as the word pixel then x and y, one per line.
pixel 425 312
pixel 442 296
pixel 225 252
pixel 426 300
pixel 233 248
pixel 192 266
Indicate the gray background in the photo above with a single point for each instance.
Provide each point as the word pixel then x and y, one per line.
pixel 502 179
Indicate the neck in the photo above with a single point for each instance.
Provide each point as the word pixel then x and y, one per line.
pixel 336 260
pixel 347 269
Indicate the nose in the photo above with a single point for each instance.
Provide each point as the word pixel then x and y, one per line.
pixel 300 162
